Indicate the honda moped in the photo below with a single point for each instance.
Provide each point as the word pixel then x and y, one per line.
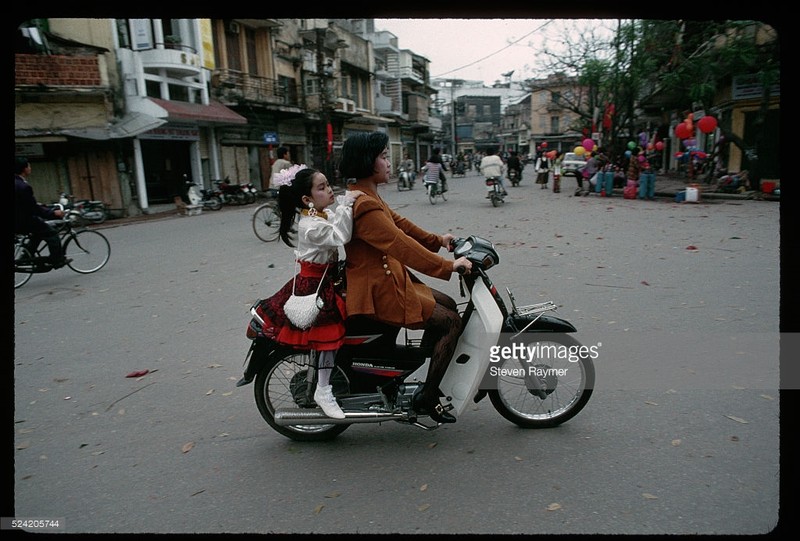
pixel 535 373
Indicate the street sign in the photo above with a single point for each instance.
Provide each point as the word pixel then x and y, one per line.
pixel 271 137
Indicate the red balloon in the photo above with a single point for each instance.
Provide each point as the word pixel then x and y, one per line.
pixel 707 124
pixel 544 144
pixel 682 131
pixel 659 146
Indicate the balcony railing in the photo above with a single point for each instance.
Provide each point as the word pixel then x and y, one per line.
pixel 236 86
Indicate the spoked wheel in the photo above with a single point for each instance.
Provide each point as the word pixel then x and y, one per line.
pixel 23 266
pixel 89 250
pixel 283 383
pixel 267 221
pixel 568 382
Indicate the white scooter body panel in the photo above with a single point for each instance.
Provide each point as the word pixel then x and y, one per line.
pixel 461 381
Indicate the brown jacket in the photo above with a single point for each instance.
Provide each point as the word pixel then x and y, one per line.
pixel 382 246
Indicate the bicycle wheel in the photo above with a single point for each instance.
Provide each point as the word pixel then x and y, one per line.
pixel 88 249
pixel 23 266
pixel 267 221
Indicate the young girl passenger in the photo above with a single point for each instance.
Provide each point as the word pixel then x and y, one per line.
pixel 305 193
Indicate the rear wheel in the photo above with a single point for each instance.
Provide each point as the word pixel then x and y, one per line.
pixel 89 250
pixel 568 382
pixel 432 193
pixel 282 383
pixel 267 221
pixel 213 203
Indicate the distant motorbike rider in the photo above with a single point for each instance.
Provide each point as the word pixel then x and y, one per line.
pixel 408 165
pixel 492 166
pixel 514 163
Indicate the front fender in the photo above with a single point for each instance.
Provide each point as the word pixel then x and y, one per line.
pixel 544 323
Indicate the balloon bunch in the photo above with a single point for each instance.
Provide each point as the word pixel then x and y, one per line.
pixel 685 129
pixel 587 145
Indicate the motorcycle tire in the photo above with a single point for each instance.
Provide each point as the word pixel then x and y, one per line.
pixel 568 384
pixel 281 383
pixel 432 194
pixel 495 199
pixel 240 198
pixel 212 203
pixel 399 185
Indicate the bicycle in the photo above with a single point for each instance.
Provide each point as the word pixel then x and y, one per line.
pixel 267 218
pixel 89 250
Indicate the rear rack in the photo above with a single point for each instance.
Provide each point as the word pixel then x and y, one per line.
pixel 535 308
pixel 530 309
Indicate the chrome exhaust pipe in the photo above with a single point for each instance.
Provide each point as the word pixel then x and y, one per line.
pixel 307 416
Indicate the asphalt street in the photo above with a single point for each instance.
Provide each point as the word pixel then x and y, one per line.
pixel 681 435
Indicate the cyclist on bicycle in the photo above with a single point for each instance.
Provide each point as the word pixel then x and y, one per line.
pixel 31 215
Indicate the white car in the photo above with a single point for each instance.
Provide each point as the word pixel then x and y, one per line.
pixel 572 164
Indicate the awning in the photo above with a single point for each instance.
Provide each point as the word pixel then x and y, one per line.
pixel 213 113
pixel 131 125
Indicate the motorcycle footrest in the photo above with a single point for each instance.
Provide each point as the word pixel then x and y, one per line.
pixel 315 416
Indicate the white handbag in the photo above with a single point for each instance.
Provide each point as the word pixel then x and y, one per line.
pixel 302 310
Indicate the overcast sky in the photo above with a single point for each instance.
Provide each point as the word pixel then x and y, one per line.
pixel 478 49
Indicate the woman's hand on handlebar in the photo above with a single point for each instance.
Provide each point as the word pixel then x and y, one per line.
pixel 447 241
pixel 462 265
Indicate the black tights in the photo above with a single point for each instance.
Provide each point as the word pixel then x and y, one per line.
pixel 442 331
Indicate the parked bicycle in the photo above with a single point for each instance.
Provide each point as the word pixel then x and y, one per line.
pixel 89 250
pixel 267 218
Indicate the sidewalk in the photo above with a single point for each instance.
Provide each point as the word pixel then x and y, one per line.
pixel 667 185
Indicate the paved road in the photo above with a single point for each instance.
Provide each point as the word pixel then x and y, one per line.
pixel 681 435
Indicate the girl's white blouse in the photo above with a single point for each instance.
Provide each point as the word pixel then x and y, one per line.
pixel 319 239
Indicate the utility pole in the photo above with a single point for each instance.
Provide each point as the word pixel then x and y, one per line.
pixel 453 152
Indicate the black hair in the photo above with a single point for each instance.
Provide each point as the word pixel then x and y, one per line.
pixel 359 153
pixel 20 164
pixel 281 152
pixel 290 200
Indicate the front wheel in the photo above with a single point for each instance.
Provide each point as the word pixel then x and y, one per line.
pixel 89 251
pixel 267 222
pixel 282 383
pixel 568 379
pixel 23 265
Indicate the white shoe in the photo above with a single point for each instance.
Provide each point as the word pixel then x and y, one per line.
pixel 323 396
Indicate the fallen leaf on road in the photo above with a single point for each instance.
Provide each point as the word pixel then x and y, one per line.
pixel 648 496
pixel 423 507
pixel 138 373
pixel 675 443
pixel 318 509
pixel 333 495
pixel 554 507
pixel 644 283
pixel 187 447
pixel 691 247
pixel 423 488
pixel 431 445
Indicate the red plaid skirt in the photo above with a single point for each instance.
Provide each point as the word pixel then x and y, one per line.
pixel 328 331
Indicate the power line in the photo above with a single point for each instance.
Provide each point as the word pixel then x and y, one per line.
pixel 494 53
